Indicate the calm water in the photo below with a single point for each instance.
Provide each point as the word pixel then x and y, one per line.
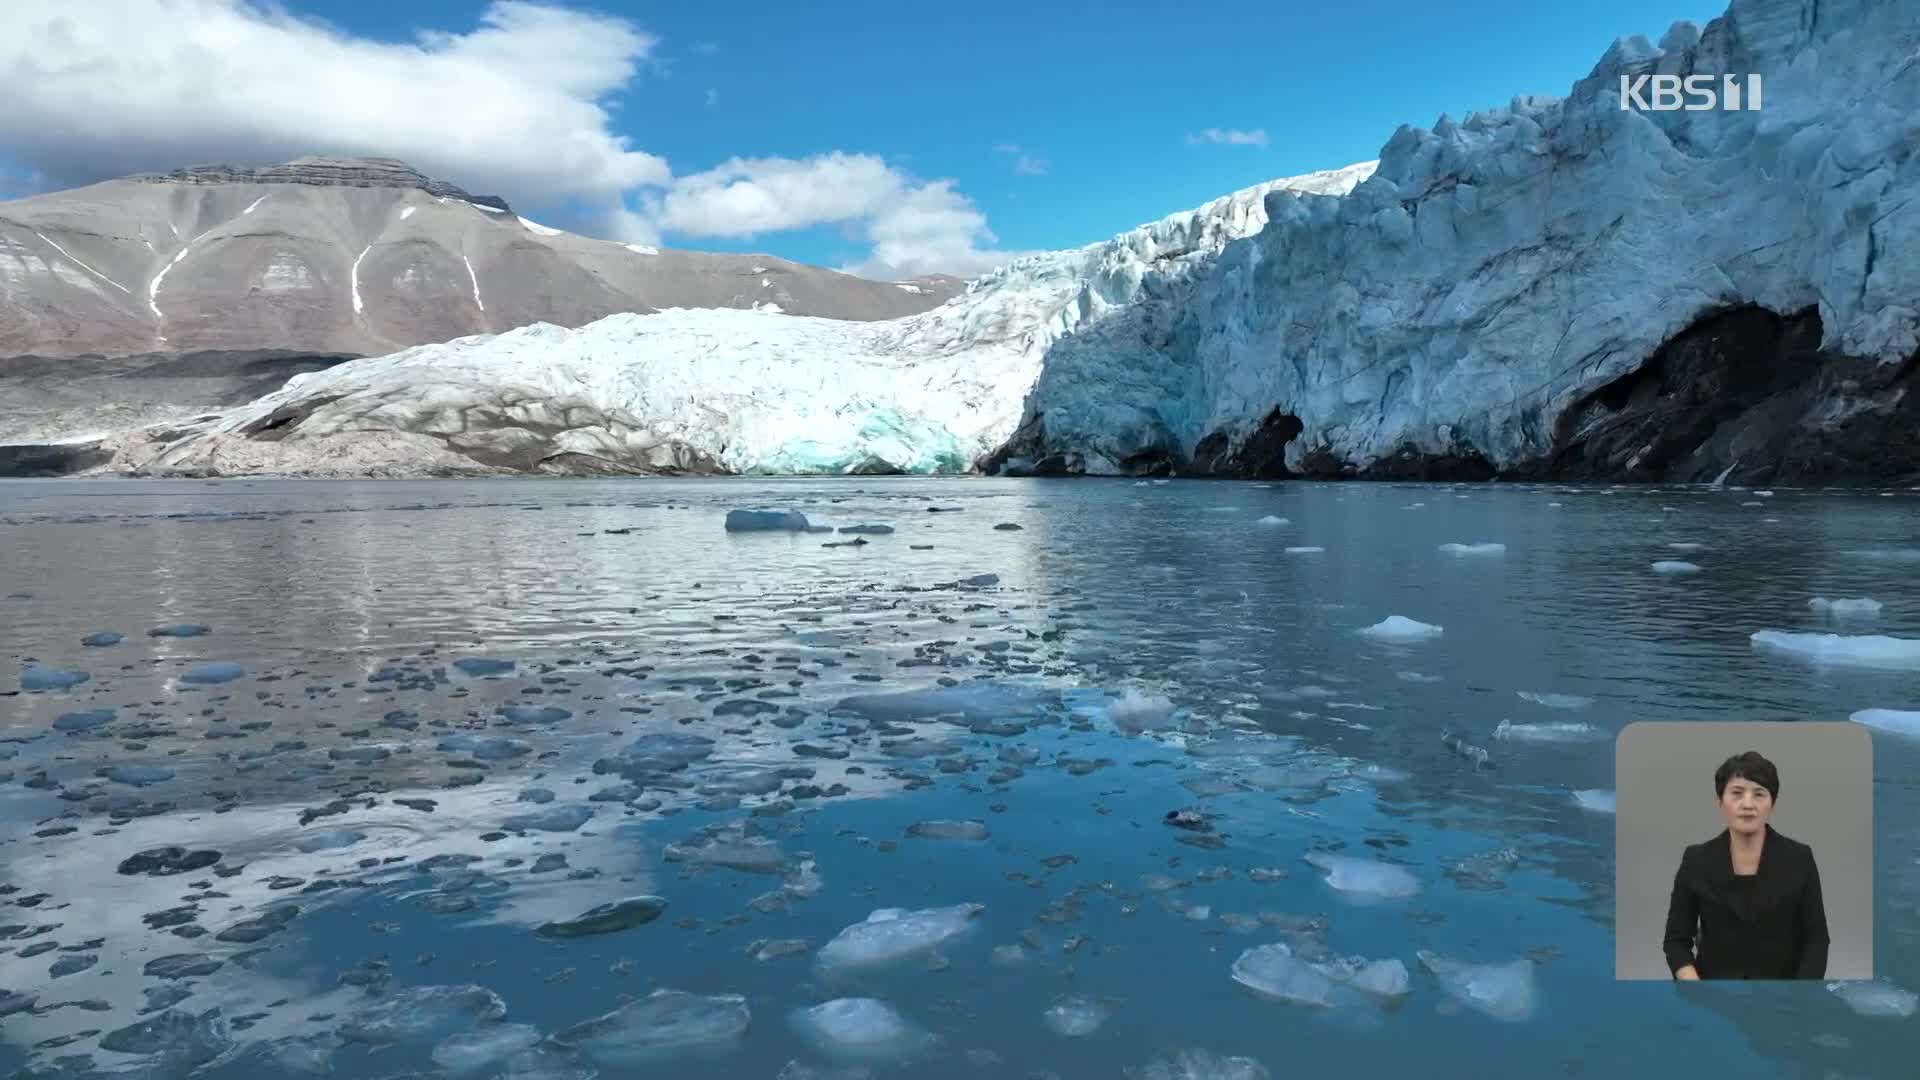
pixel 714 717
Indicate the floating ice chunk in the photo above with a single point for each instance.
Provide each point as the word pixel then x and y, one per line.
pixel 1887 555
pixel 1558 731
pixel 1382 978
pixel 867 530
pixel 212 673
pixel 534 714
pixel 1876 998
pixel 1687 546
pixel 1365 877
pixel 480 665
pixel 948 830
pixel 37 678
pixel 663 1023
pixel 103 639
pixel 419 1012
pixel 1675 566
pixel 1135 712
pixel 1272 521
pixel 1474 549
pixel 861 1029
pixel 1860 650
pixel 1860 607
pixel 1555 701
pixel 1502 991
pixel 1305 550
pixel 766 521
pixel 181 630
pixel 329 840
pixel 1894 721
pixel 180 1040
pixel 1075 1017
pixel 607 918
pixel 1199 1065
pixel 487 748
pixel 552 819
pixel 892 935
pixel 735 847
pixel 969 701
pixel 1598 800
pixel 535 795
pixel 1273 971
pixel 1400 628
pixel 306 1056
pixel 470 1051
pixel 137 775
pixel 83 721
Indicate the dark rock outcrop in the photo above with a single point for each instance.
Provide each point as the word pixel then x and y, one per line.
pixel 319 171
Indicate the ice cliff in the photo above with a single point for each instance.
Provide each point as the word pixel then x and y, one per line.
pixel 688 390
pixel 1558 287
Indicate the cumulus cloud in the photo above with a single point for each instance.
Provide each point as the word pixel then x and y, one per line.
pixel 1024 163
pixel 915 226
pixel 109 87
pixel 519 105
pixel 1229 137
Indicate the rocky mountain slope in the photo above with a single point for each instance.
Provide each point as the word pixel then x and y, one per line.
pixel 357 256
pixel 701 390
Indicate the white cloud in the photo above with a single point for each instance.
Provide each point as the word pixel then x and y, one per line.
pixel 915 226
pixel 108 87
pixel 518 106
pixel 1024 163
pixel 713 96
pixel 1229 137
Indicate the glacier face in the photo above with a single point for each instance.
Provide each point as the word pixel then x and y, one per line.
pixel 1495 290
pixel 688 390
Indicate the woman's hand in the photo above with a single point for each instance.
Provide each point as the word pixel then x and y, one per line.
pixel 1687 974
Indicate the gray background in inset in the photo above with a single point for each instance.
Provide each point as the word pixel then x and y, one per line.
pixel 1663 784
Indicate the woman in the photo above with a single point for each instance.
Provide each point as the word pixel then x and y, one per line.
pixel 1746 904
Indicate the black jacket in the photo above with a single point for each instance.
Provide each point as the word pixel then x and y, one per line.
pixel 1770 926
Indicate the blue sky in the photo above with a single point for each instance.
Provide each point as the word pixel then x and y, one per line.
pixel 1100 100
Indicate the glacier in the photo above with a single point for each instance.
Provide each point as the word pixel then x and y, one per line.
pixel 1558 287
pixel 711 390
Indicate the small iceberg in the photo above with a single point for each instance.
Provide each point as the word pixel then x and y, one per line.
pixel 1672 567
pixel 1598 800
pixel 861 1029
pixel 1841 650
pixel 1502 991
pixel 1365 877
pixel 1271 521
pixel 1876 998
pixel 767 521
pixel 1559 731
pixel 36 678
pixel 1474 549
pixel 212 673
pixel 1555 701
pixel 1892 721
pixel 1399 628
pixel 1855 608
pixel 892 935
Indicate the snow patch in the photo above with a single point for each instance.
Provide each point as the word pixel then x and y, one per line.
pixel 407 212
pixel 254 205
pixel 475 279
pixel 353 278
pixel 642 249
pixel 84 266
pixel 540 229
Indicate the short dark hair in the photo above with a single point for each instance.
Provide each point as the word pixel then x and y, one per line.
pixel 1747 766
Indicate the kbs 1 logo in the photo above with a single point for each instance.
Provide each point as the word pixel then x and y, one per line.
pixel 1694 93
